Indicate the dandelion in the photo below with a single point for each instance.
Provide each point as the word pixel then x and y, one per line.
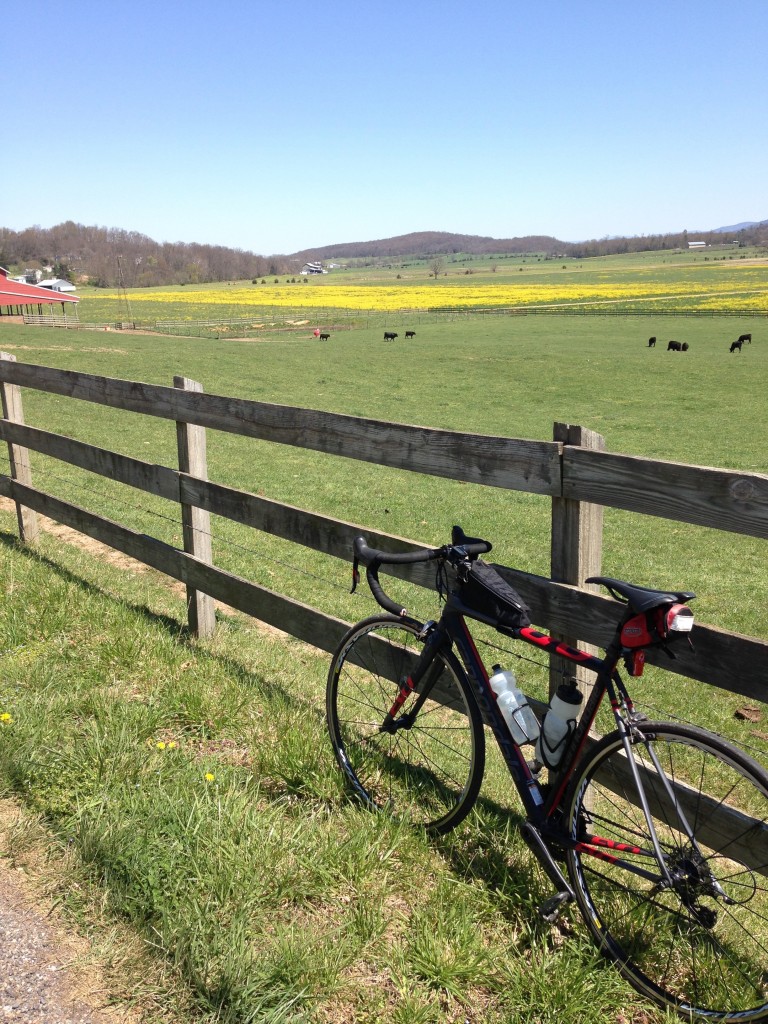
pixel 6 718
pixel 209 777
pixel 172 745
pixel 160 745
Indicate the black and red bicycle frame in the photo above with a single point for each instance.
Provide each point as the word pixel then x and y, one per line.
pixel 542 803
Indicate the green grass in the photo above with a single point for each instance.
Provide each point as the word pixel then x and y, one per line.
pixel 232 849
pixel 264 892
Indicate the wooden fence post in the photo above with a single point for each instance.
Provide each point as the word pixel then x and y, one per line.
pixel 196 522
pixel 29 527
pixel 577 544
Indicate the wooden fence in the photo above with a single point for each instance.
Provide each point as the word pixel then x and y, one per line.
pixel 573 470
pixel 72 322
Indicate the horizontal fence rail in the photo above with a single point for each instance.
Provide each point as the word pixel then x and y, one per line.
pixel 721 499
pixel 570 475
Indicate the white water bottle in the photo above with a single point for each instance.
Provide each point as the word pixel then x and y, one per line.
pixel 514 706
pixel 558 724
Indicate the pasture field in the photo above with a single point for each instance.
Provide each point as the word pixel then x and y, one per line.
pixel 721 281
pixel 511 376
pixel 215 854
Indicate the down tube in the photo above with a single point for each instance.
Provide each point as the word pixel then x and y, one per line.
pixel 526 784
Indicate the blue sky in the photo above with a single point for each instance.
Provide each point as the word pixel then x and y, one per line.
pixel 275 126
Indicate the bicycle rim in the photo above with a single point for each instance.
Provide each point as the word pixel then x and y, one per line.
pixel 697 941
pixel 428 774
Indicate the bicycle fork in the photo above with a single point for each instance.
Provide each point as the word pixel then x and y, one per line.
pixel 423 677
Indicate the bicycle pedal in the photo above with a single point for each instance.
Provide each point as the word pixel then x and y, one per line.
pixel 550 909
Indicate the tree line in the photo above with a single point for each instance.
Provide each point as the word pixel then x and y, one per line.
pixel 112 257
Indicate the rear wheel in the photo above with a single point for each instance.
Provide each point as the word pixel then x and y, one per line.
pixel 695 939
pixel 429 769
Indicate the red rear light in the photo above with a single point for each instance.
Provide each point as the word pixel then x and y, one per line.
pixel 679 619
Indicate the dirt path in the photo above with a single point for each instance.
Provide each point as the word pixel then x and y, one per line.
pixel 48 974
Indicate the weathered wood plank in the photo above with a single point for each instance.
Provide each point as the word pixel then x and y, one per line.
pixel 293 617
pixel 318 532
pixel 576 544
pixel 12 409
pixel 517 464
pixel 729 661
pixel 722 499
pixel 144 476
pixel 196 522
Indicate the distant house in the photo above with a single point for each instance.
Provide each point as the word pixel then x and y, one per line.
pixel 697 245
pixel 313 268
pixel 56 284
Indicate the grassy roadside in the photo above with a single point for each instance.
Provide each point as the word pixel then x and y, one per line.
pixel 192 786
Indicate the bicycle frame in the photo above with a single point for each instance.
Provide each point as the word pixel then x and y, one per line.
pixel 542 804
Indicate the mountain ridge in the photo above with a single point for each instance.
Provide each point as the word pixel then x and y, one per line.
pixel 428 243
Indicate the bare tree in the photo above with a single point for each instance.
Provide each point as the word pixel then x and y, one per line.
pixel 436 265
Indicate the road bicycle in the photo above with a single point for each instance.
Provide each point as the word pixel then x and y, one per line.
pixel 658 831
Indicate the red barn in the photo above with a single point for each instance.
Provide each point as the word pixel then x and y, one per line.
pixel 17 298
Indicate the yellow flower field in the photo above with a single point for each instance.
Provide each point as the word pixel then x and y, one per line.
pixel 702 287
pixel 392 297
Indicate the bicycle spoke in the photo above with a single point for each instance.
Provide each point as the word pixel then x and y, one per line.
pixel 426 768
pixel 699 936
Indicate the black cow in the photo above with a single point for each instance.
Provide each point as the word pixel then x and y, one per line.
pixel 651 343
pixel 389 335
pixel 324 337
pixel 410 334
pixel 674 346
pixel 736 346
pixel 684 347
pixel 746 337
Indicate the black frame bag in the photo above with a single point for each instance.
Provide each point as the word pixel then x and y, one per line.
pixel 490 598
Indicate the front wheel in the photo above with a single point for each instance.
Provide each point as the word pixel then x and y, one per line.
pixel 692 935
pixel 428 769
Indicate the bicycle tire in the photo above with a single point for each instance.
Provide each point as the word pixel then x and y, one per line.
pixel 428 774
pixel 697 943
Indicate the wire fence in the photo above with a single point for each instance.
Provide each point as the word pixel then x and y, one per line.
pixel 271 320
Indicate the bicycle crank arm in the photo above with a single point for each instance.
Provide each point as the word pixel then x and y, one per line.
pixel 550 909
